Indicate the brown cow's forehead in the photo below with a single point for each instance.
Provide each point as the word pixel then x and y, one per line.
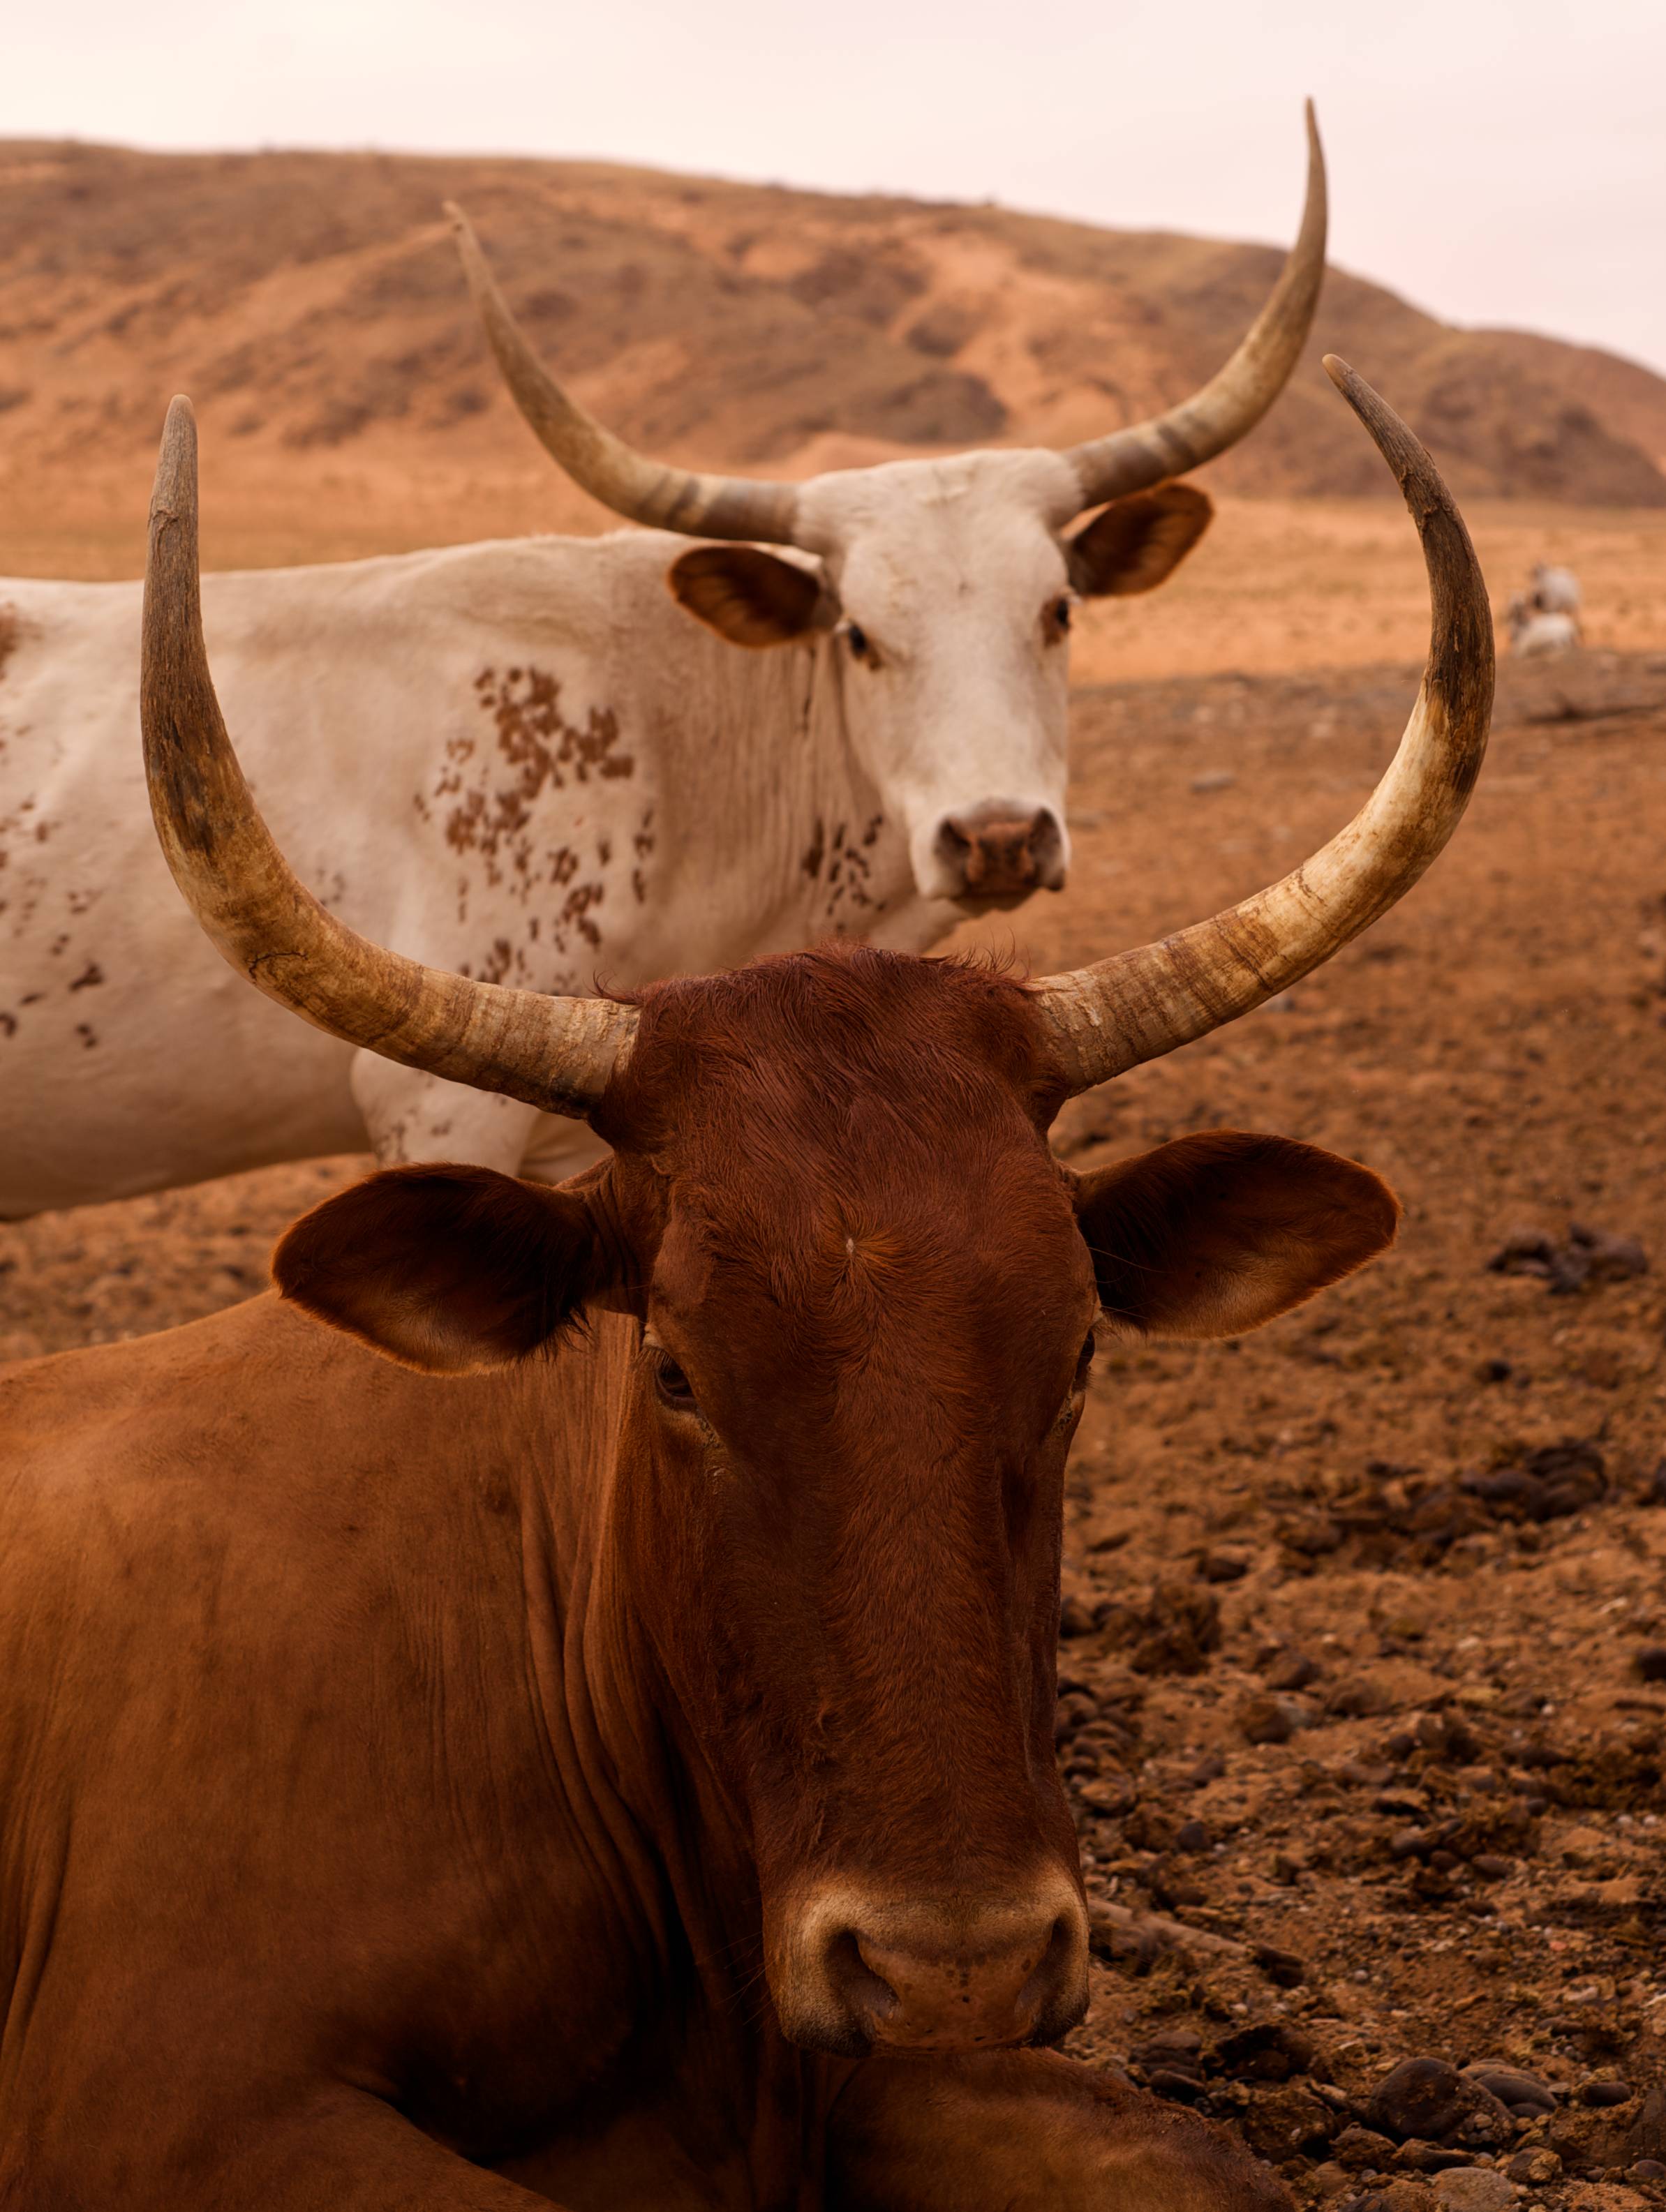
pixel 847 1143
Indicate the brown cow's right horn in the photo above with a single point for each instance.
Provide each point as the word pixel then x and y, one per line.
pixel 1138 1005
pixel 553 1053
pixel 609 469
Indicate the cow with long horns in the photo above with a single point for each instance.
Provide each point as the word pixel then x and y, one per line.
pixel 531 763
pixel 623 1777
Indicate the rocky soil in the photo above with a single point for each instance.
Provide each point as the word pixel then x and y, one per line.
pixel 1363 1683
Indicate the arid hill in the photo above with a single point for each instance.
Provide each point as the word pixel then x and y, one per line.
pixel 312 304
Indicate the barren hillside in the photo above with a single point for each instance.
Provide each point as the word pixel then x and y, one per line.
pixel 312 305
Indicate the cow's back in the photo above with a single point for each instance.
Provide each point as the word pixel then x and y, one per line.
pixel 400 719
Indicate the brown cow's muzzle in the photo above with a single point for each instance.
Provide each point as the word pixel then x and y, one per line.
pixel 862 1974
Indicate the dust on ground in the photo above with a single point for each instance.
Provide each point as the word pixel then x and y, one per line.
pixel 1364 1686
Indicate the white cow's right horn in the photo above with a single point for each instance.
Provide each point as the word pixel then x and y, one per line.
pixel 642 490
pixel 552 1053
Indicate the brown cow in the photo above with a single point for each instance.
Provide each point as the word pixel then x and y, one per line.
pixel 604 1779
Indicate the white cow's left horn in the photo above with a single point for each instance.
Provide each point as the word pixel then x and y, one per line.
pixel 555 1053
pixel 1140 1005
pixel 1234 400
pixel 644 490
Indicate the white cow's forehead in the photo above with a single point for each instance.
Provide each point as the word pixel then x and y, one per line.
pixel 907 497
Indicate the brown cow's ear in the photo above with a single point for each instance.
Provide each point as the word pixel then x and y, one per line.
pixel 444 1269
pixel 747 595
pixel 1214 1234
pixel 1137 543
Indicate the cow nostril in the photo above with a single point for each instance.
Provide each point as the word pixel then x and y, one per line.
pixel 868 1994
pixel 1050 1969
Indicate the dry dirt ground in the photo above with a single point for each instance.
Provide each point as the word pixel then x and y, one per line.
pixel 1364 1685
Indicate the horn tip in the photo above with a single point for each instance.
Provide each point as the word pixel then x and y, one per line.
pixel 176 458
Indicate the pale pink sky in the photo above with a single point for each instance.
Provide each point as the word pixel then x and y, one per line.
pixel 1500 162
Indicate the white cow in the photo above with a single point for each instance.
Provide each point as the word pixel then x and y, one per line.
pixel 1556 590
pixel 528 761
pixel 1535 631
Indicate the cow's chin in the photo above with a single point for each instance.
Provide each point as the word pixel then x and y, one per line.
pixel 852 1973
pixel 1002 902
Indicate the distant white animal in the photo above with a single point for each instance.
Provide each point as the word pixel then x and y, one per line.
pixel 1556 590
pixel 1534 631
pixel 532 763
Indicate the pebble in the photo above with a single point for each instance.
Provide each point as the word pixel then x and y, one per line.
pixel 1289 1669
pixel 1534 2167
pixel 1266 1720
pixel 1271 2051
pixel 1427 2101
pixel 1362 2148
pixel 1605 2093
pixel 1226 1563
pixel 1519 2091
pixel 1475 2189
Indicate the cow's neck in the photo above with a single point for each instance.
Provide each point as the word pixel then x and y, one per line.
pixel 656 1810
pixel 795 842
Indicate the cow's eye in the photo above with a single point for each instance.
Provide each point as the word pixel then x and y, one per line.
pixel 856 639
pixel 672 1384
pixel 1060 610
pixel 1084 1361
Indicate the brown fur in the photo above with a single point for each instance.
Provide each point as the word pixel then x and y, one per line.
pixel 1135 544
pixel 416 1788
pixel 751 596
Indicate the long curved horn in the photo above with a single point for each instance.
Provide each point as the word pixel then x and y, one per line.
pixel 1140 1005
pixel 1235 400
pixel 555 1053
pixel 608 469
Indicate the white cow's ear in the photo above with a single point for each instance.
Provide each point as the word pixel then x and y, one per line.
pixel 1216 1233
pixel 444 1269
pixel 1134 545
pixel 751 596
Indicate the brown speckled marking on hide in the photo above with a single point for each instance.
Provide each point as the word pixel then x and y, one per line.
pixel 91 975
pixel 87 1035
pixel 643 843
pixel 543 751
pixel 817 852
pixel 11 631
pixel 848 869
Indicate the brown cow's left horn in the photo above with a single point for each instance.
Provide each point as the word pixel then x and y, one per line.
pixel 1140 1005
pixel 555 1053
pixel 609 469
pixel 1235 400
